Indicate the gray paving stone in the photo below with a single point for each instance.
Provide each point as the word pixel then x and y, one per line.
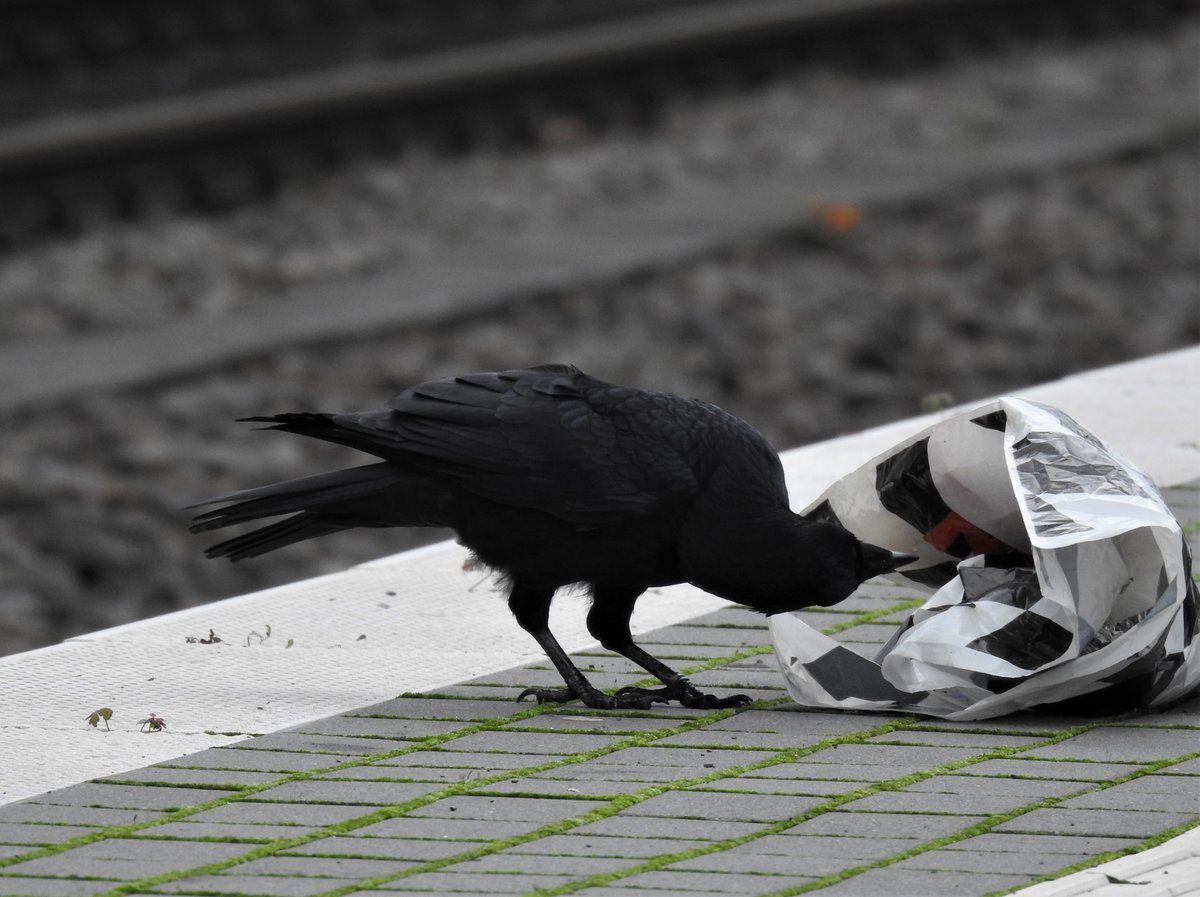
pixel 795 863
pixel 697 760
pixel 28 811
pixel 1130 796
pixel 720 883
pixel 260 759
pixel 832 772
pixel 8 851
pixel 576 843
pixel 1048 769
pixel 373 772
pixel 33 834
pixel 480 882
pixel 517 809
pixel 482 763
pixel 1187 767
pixel 341 792
pixel 1007 842
pixel 541 743
pixel 323 744
pixel 377 726
pixel 892 882
pixel 258 885
pixel 901 759
pixel 792 720
pixel 425 707
pixel 726 683
pixel 194 776
pixel 595 770
pixel 417 849
pixel 659 827
pixel 283 813
pixel 1061 821
pixel 814 787
pixel 706 737
pixel 598 661
pixel 53 887
pixel 445 828
pixel 848 851
pixel 496 692
pixel 1030 864
pixel 322 867
pixel 130 797
pixel 710 805
pixel 186 828
pixel 563 787
pixel 525 677
pixel 1163 784
pixel 917 826
pixel 1109 743
pixel 969 786
pixel 575 865
pixel 602 725
pixel 781 740
pixel 619 891
pixel 974 740
pixel 122 858
pixel 919 802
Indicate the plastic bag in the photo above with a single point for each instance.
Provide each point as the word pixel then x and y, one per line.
pixel 1061 576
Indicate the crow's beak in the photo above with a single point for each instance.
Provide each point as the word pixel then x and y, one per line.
pixel 876 560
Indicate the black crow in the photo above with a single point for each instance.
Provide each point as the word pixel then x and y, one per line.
pixel 553 478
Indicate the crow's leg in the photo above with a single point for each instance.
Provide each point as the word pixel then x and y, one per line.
pixel 608 621
pixel 531 606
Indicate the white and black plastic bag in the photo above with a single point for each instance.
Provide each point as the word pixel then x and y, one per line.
pixel 1061 576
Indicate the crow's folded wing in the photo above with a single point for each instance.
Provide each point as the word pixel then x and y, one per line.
pixel 549 438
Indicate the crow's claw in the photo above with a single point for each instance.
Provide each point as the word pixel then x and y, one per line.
pixel 689 696
pixel 548 695
pixel 625 699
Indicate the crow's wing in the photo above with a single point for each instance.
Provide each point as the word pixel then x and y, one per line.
pixel 550 438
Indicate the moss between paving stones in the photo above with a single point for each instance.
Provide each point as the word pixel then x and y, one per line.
pixel 525 720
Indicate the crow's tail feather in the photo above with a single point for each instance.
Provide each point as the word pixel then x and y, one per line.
pixel 372 495
pixel 288 531
pixel 342 429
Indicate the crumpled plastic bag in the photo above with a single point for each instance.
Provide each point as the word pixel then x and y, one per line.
pixel 1061 576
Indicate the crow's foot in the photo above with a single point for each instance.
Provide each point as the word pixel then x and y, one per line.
pixel 625 699
pixel 687 695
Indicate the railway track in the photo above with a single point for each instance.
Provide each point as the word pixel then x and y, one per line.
pixel 939 204
pixel 473 74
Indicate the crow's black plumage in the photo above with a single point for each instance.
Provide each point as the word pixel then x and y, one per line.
pixel 553 478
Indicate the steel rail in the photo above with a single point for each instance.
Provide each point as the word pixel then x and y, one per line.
pixel 84 139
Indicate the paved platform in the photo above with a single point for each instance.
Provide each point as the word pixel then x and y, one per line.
pixel 452 788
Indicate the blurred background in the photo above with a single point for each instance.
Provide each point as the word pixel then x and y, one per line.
pixel 820 216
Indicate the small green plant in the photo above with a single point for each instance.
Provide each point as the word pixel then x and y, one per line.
pixel 152 723
pixel 104 714
pixel 254 633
